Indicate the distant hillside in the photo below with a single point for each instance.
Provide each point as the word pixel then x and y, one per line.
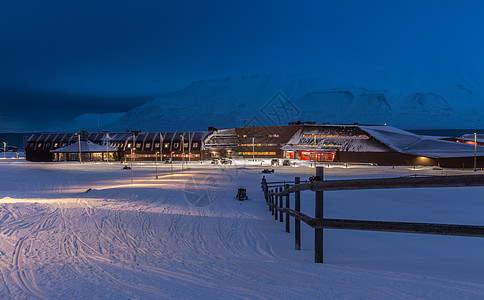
pixel 431 99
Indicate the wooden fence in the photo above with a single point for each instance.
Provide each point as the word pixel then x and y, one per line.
pixel 277 196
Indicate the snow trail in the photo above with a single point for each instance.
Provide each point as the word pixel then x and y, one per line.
pixel 150 240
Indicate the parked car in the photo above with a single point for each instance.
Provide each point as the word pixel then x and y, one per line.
pixel 168 160
pixel 274 162
pixel 286 162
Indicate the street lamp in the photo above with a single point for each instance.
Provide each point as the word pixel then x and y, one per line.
pixel 107 147
pixel 161 147
pixel 132 157
pixel 183 149
pixel 156 164
pixel 171 162
pixel 253 148
pixel 4 149
pixel 189 146
pixel 79 142
pixel 475 151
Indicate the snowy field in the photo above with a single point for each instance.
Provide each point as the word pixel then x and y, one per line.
pixel 83 231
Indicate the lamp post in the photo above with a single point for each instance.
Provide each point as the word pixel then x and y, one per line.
pixel 4 149
pixel 171 162
pixel 189 146
pixel 183 149
pixel 107 147
pixel 132 158
pixel 253 148
pixel 475 151
pixel 79 142
pixel 161 147
pixel 156 164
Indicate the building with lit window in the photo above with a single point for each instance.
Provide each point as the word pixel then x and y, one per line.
pixel 118 146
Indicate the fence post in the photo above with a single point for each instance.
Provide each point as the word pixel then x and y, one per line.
pixel 297 222
pixel 280 206
pixel 272 202
pixel 276 213
pixel 287 213
pixel 269 200
pixel 318 214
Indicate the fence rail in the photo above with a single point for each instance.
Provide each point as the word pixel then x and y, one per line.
pixel 274 199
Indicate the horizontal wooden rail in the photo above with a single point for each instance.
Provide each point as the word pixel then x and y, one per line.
pixel 388 183
pixel 403 227
pixel 318 185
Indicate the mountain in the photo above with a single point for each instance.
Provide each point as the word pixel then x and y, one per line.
pixel 432 98
pixel 92 122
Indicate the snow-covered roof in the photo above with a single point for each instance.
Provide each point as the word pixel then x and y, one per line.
pixel 470 137
pixel 348 138
pixel 410 143
pixel 86 147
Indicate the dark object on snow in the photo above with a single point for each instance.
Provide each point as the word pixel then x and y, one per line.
pixel 168 160
pixel 241 194
pixel 274 162
pixel 286 162
pixel 225 161
pixel 126 168
pixel 267 171
pixel 88 190
pixel 314 178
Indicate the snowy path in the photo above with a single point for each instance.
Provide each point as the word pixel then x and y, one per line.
pixel 149 241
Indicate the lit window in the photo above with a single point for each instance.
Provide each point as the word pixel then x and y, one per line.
pixel 147 145
pixel 55 145
pixel 195 145
pixel 138 145
pixel 185 145
pixel 167 145
pixel 157 145
pixel 129 145
pixel 39 145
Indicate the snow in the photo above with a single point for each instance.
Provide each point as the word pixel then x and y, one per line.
pixel 86 146
pixel 186 236
pixel 410 143
pixel 437 99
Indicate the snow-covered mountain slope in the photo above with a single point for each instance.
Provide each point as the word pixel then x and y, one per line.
pixel 428 99
pixel 93 122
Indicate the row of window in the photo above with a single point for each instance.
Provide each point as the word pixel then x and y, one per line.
pixel 260 145
pixel 275 135
pixel 48 145
pixel 258 153
pixel 361 136
pixel 56 145
pixel 157 145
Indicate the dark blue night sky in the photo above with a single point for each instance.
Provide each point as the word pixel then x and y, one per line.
pixel 59 59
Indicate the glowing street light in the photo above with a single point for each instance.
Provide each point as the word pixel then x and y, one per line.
pixel 183 149
pixel 161 146
pixel 156 164
pixel 132 157
pixel 79 142
pixel 171 162
pixel 475 151
pixel 107 147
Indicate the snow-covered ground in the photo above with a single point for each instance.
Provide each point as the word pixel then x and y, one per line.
pixel 83 231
